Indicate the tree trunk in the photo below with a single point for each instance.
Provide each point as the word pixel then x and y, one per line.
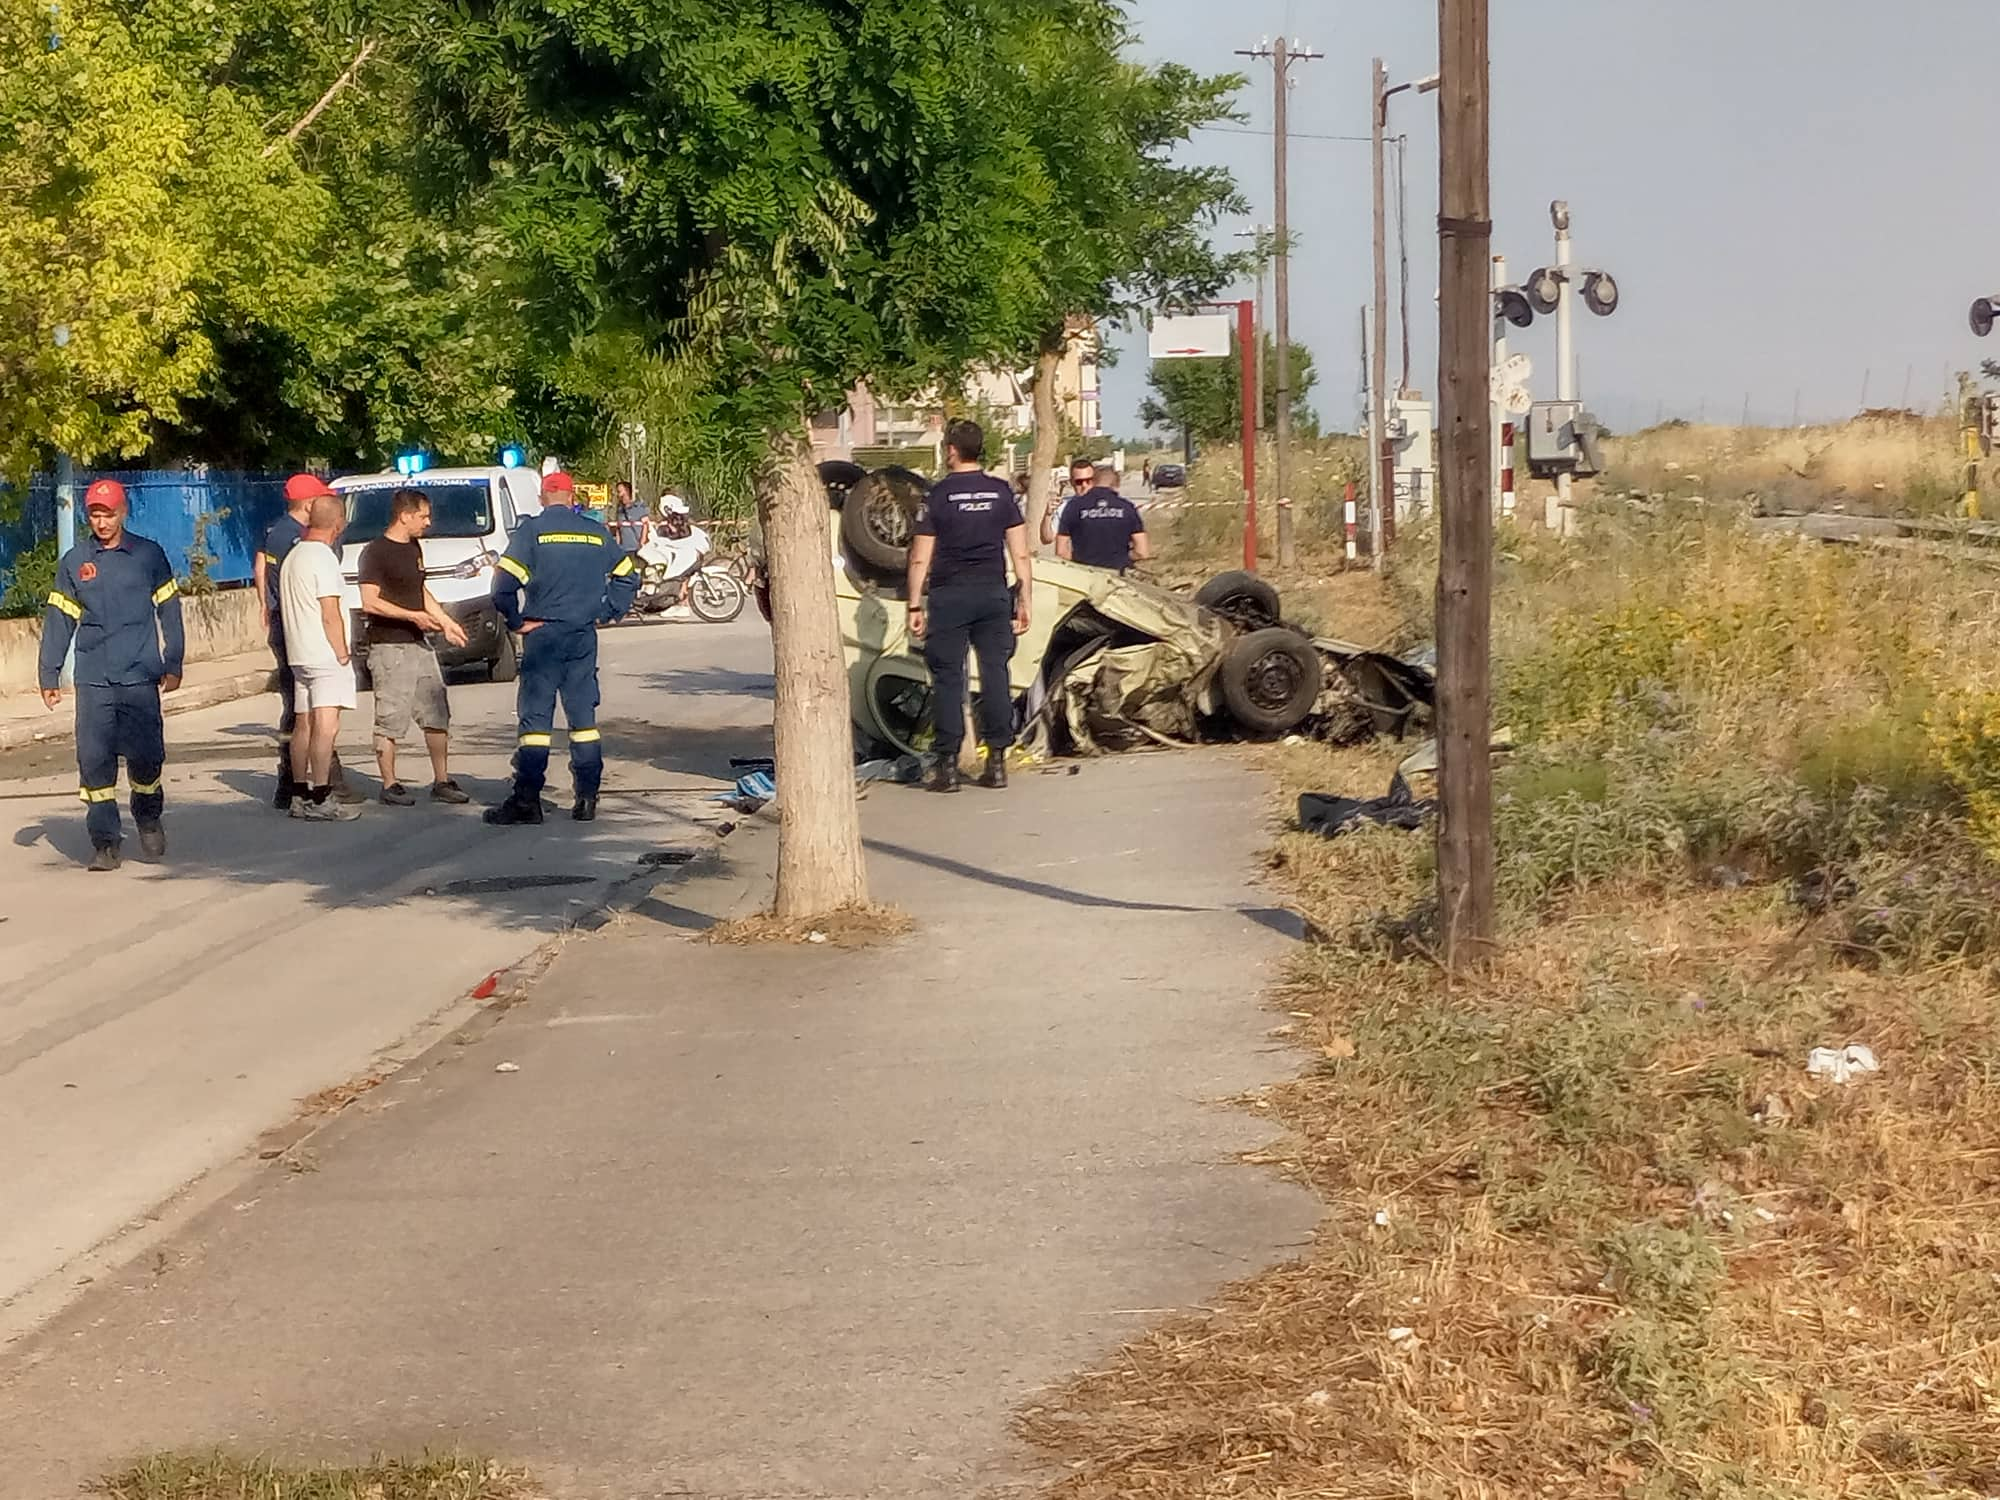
pixel 1048 441
pixel 820 863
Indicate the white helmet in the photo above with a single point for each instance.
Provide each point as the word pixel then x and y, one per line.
pixel 673 505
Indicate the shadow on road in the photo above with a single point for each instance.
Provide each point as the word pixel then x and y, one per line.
pixel 716 682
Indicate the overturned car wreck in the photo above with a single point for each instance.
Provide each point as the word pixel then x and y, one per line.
pixel 1110 662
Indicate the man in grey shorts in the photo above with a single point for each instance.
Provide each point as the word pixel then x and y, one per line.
pixel 402 612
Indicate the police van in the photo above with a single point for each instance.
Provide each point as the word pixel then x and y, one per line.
pixel 473 513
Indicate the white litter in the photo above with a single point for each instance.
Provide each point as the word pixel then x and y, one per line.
pixel 1319 1398
pixel 1402 1335
pixel 1842 1065
pixel 815 937
pixel 507 1068
pixel 1381 1218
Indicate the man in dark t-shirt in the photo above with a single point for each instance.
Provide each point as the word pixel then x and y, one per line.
pixel 965 531
pixel 401 613
pixel 1102 529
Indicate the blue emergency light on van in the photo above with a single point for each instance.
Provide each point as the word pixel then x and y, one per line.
pixel 512 458
pixel 411 463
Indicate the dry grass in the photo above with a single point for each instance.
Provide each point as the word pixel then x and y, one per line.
pixel 1884 464
pixel 1591 1229
pixel 849 927
pixel 223 1476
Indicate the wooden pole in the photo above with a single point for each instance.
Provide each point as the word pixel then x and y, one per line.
pixel 1465 563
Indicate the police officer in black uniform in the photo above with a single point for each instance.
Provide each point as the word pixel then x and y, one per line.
pixel 967 528
pixel 575 579
pixel 115 596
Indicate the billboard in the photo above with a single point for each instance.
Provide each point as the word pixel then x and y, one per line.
pixel 1190 336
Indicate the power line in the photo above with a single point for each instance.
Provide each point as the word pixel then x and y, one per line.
pixel 1297 135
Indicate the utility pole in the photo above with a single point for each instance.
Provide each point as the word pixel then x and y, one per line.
pixel 1381 481
pixel 1403 256
pixel 1382 459
pixel 1282 56
pixel 1465 562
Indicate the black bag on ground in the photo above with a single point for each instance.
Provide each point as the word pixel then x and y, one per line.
pixel 1329 817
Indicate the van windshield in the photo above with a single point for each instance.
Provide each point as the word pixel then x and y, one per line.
pixel 459 508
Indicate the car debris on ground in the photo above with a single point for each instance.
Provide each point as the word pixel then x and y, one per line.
pixel 1112 662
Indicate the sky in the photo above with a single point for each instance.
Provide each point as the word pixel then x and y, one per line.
pixel 1799 198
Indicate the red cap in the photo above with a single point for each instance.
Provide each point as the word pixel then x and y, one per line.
pixel 305 487
pixel 558 483
pixel 107 495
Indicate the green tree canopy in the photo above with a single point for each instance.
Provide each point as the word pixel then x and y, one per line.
pixel 1204 396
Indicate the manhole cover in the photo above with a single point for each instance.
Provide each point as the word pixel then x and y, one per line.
pixel 497 884
pixel 667 857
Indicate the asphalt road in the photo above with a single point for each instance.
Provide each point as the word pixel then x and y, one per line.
pixel 154 1022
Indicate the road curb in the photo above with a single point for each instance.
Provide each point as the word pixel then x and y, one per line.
pixel 61 726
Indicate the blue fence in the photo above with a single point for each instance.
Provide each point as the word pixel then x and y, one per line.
pixel 169 506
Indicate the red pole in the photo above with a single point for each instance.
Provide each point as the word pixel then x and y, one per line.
pixel 1246 346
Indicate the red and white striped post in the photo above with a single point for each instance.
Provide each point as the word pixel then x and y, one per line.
pixel 1506 468
pixel 1353 527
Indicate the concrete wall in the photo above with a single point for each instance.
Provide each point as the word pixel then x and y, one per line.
pixel 220 624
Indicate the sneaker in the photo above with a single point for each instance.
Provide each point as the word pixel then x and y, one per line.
pixel 105 857
pixel 585 810
pixel 398 795
pixel 333 810
pixel 152 841
pixel 449 791
pixel 511 814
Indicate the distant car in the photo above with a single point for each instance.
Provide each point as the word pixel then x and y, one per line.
pixel 473 512
pixel 1169 476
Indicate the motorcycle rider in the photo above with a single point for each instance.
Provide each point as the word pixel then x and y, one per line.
pixel 678 545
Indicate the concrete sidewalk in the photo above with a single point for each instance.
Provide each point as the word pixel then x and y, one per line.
pixel 25 720
pixel 750 1222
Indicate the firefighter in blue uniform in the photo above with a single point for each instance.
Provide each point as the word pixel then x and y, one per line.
pixel 115 596
pixel 575 579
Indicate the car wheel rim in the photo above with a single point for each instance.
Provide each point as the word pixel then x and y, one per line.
pixel 887 520
pixel 1274 681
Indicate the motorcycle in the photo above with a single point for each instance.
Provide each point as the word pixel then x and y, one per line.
pixel 714 594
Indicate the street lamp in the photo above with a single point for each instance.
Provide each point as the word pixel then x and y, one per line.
pixel 1382 478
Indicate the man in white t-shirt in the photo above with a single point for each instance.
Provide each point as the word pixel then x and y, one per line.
pixel 309 593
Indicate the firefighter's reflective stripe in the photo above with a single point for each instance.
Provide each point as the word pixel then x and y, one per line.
pixel 583 736
pixel 581 538
pixel 625 565
pixel 165 591
pixel 272 560
pixel 518 569
pixel 66 604
pixel 101 793
pixel 539 741
pixel 144 788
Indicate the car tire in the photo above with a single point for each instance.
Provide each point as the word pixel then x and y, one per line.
pixel 507 665
pixel 839 476
pixel 877 519
pixel 1243 599
pixel 1270 681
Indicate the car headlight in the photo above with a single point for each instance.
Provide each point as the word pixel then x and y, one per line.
pixel 476 566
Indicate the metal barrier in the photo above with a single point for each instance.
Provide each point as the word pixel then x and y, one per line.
pixel 209 520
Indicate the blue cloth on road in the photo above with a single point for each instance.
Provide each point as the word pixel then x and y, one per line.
pixel 123 609
pixel 113 722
